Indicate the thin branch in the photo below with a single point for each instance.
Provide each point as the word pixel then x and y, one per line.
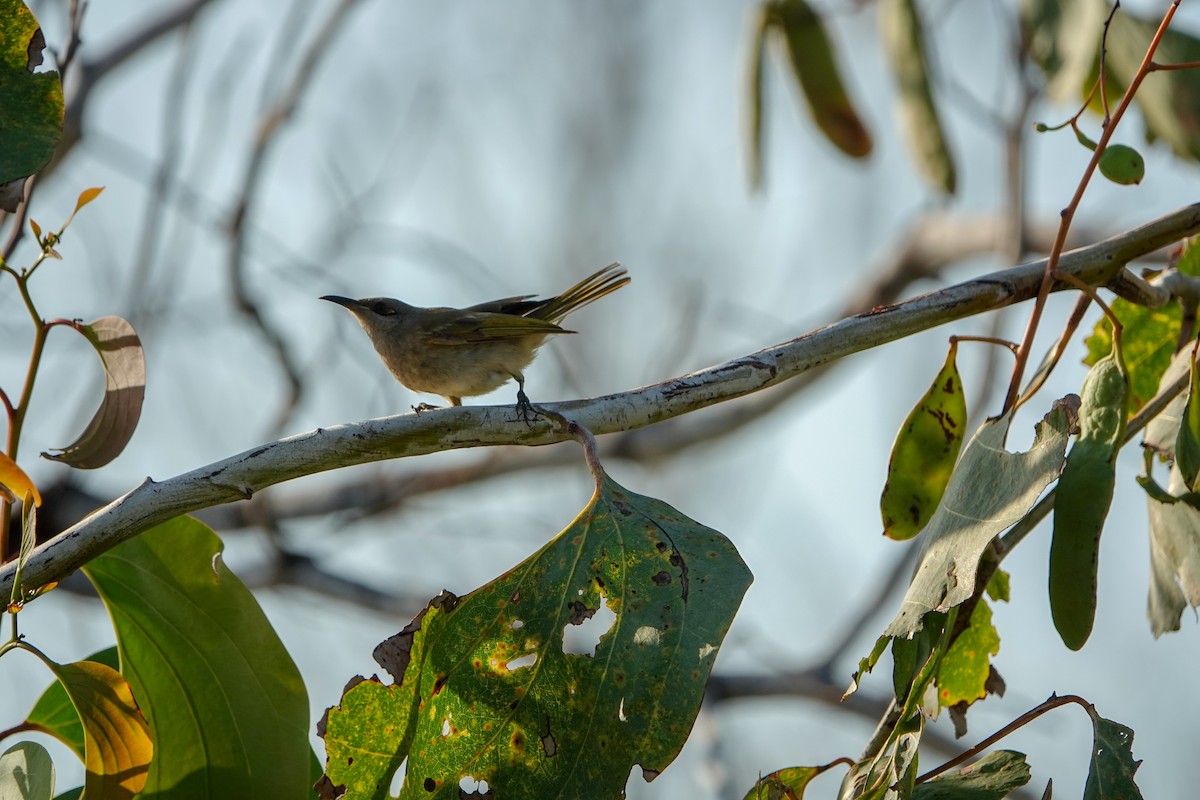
pixel 269 126
pixel 240 477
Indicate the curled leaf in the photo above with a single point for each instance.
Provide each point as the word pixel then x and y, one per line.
pixel 124 364
pixel 924 453
pixel 15 483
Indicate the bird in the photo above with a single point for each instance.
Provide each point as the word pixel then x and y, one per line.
pixel 464 352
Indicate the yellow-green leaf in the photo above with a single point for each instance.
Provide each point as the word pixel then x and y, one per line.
pixel 814 64
pixel 489 688
pixel 904 40
pixel 117 748
pixel 111 428
pixel 785 784
pixel 924 454
pixel 963 674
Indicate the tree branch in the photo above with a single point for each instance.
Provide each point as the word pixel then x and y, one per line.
pixel 241 476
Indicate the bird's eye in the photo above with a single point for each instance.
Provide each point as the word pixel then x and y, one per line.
pixel 382 309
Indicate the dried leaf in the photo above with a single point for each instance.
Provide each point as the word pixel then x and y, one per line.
pixel 990 490
pixel 124 364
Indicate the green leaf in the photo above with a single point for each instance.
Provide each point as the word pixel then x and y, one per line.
pixel 990 778
pixel 990 490
pixel 814 64
pixel 1110 775
pixel 1162 98
pixel 1083 497
pixel 112 427
pixel 26 772
pixel 226 704
pixel 785 784
pixel 117 743
pixel 32 102
pixel 54 714
pixel 1148 342
pixel 1187 442
pixel 484 690
pixel 964 671
pixel 1122 165
pixel 1174 559
pixel 904 41
pixel 924 453
pixel 866 664
pixel 999 587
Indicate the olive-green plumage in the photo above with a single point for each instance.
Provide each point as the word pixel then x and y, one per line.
pixel 462 352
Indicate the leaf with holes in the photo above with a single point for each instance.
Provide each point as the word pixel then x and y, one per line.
pixel 487 696
pixel 32 102
pixel 1110 775
pixel 124 364
pixel 924 453
pixel 990 490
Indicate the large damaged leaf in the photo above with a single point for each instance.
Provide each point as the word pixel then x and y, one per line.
pixel 991 489
pixel 492 697
pixel 1174 559
pixel 111 428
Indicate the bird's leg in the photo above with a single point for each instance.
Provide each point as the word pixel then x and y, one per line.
pixel 524 407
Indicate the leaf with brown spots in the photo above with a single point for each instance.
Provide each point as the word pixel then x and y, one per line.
pixel 487 697
pixel 924 454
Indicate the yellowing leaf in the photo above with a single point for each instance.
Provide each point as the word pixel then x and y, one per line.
pixel 54 714
pixel 963 674
pixel 990 490
pixel 815 66
pixel 924 453
pixel 124 364
pixel 489 687
pixel 904 40
pixel 117 747
pixel 785 784
pixel 15 483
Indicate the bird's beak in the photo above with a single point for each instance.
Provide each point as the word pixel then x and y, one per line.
pixel 346 302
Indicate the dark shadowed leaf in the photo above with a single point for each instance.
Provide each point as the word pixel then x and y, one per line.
pixel 111 428
pixel 990 490
pixel 32 102
pixel 1187 441
pixel 904 39
pixel 1110 776
pixel 26 772
pixel 226 705
pixel 489 690
pixel 924 453
pixel 990 778
pixel 814 64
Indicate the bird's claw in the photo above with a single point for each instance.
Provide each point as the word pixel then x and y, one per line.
pixel 525 410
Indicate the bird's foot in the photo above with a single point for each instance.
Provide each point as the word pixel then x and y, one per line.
pixel 525 410
pixel 424 407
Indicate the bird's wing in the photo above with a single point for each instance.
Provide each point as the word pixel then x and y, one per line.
pixel 481 326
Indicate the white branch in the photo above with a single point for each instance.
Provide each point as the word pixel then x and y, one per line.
pixel 241 476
